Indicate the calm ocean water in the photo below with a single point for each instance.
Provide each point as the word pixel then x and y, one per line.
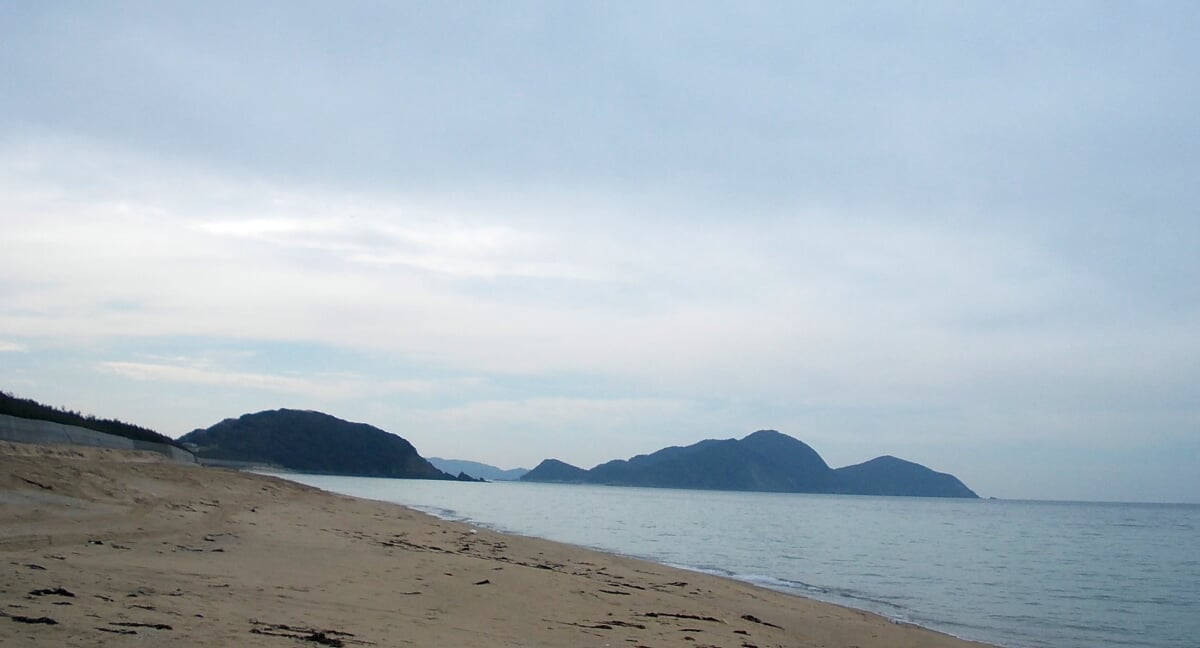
pixel 1014 574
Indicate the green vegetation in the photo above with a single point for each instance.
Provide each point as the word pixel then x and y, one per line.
pixel 31 409
pixel 311 442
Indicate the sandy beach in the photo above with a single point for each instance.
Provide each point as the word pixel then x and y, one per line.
pixel 115 548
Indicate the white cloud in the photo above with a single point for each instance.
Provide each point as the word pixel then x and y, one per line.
pixel 12 347
pixel 323 387
pixel 267 228
pixel 811 307
pixel 389 232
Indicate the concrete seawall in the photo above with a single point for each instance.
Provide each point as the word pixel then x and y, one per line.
pixel 24 430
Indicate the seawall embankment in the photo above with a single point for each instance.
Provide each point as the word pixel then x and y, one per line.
pixel 23 430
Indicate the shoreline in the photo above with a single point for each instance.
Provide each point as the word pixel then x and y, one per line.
pixel 830 595
pixel 807 592
pixel 202 556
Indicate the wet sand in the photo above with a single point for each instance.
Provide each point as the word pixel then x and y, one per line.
pixel 113 548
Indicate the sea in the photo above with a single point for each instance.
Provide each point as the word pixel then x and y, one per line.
pixel 1016 574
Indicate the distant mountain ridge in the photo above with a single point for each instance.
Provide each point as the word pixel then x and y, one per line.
pixel 315 442
pixel 477 469
pixel 766 460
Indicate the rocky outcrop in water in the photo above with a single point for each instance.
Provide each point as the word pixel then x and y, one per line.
pixel 477 469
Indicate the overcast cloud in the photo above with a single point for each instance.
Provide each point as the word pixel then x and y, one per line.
pixel 961 233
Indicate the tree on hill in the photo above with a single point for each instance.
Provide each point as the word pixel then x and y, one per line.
pixel 30 409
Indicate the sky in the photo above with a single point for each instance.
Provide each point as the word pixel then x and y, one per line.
pixel 962 233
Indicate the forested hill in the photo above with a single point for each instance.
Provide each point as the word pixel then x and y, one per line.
pixel 314 442
pixel 30 409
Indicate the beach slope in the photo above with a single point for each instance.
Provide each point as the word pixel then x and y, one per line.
pixel 114 548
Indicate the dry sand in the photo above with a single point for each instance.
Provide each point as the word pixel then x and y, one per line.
pixel 113 548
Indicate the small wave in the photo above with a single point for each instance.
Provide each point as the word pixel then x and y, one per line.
pixel 771 582
pixel 437 512
pixel 839 596
pixel 776 583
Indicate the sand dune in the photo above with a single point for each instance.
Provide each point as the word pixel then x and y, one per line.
pixel 114 548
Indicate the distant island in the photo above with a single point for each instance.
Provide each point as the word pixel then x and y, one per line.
pixel 314 442
pixel 766 460
pixel 477 469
